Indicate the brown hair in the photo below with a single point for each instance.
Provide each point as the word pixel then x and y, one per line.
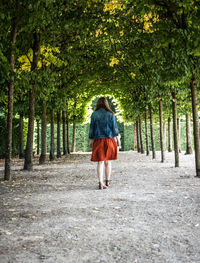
pixel 103 103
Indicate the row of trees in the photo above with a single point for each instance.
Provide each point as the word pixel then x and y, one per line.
pixel 56 55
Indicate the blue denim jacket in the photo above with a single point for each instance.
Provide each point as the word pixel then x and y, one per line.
pixel 103 125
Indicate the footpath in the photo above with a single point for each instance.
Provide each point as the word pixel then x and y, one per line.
pixel 56 214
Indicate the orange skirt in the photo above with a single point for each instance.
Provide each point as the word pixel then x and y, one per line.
pixel 104 149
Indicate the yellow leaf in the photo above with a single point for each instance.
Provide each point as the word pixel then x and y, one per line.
pixel 113 61
pixel 133 75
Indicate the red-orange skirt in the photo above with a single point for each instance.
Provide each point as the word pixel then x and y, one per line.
pixel 104 149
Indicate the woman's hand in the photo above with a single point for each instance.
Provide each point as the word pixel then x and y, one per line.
pixel 118 140
pixel 91 143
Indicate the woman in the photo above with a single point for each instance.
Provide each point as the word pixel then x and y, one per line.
pixel 102 135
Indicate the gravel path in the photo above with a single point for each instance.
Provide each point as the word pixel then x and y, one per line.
pixel 151 212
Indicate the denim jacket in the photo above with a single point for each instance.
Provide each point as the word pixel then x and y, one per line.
pixel 103 125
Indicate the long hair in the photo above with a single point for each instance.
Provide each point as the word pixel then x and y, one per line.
pixel 103 103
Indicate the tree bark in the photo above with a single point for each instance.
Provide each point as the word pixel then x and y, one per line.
pixel 175 131
pixel 74 137
pixel 169 135
pixel 38 137
pixel 138 137
pixel 52 145
pixel 135 137
pixel 188 135
pixel 196 131
pixel 164 136
pixel 141 138
pixel 28 164
pixel 21 137
pixel 64 133
pixel 43 135
pixel 58 135
pixel 179 134
pixel 152 132
pixel 67 127
pixel 8 153
pixel 161 130
pixel 146 134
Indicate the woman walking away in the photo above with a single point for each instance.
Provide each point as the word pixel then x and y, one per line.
pixel 102 136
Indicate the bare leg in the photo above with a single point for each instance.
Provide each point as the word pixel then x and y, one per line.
pixel 108 169
pixel 100 166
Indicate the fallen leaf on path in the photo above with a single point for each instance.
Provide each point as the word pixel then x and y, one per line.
pixel 8 233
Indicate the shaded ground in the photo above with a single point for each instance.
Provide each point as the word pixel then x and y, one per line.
pixel 151 212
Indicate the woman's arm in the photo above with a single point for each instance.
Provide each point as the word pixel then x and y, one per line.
pixel 115 127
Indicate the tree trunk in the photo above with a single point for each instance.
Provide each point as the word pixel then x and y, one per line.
pixel 146 134
pixel 188 135
pixel 161 130
pixel 141 139
pixel 67 127
pixel 28 164
pixel 43 135
pixel 179 134
pixel 176 148
pixel 138 137
pixel 8 153
pixel 164 136
pixel 152 132
pixel 169 135
pixel 21 137
pixel 58 135
pixel 38 137
pixel 52 146
pixel 196 131
pixel 64 133
pixel 74 136
pixel 135 137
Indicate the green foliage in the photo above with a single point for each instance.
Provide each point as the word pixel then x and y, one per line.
pixel 136 52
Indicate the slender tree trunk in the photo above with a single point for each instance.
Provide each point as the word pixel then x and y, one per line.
pixel 169 135
pixel 38 137
pixel 64 133
pixel 21 137
pixel 67 127
pixel 196 131
pixel 161 130
pixel 141 138
pixel 8 153
pixel 152 132
pixel 43 135
pixel 179 134
pixel 188 135
pixel 58 135
pixel 135 136
pixel 138 137
pixel 164 136
pixel 28 164
pixel 146 134
pixel 52 146
pixel 176 148
pixel 74 137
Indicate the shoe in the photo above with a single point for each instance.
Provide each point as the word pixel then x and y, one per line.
pixel 102 186
pixel 107 183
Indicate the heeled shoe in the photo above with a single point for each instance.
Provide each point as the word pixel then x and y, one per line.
pixel 107 183
pixel 102 186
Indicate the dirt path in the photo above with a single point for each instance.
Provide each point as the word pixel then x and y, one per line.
pixel 151 212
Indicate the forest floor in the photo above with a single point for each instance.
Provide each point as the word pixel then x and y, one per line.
pixel 150 213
